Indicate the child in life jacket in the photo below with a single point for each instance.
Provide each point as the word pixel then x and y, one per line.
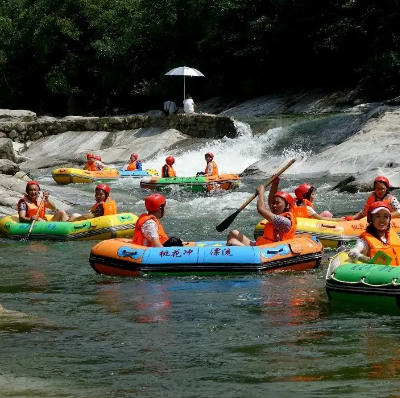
pixel 134 163
pixel 281 221
pixel 304 206
pixel 104 206
pixel 380 193
pixel 148 229
pixel 378 236
pixel 90 163
pixel 31 207
pixel 168 169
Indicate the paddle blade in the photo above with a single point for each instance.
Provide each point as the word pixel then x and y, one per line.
pixel 227 222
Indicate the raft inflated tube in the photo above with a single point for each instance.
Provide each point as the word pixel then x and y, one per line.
pixel 194 184
pixel 105 227
pixel 138 173
pixel 330 233
pixel 71 175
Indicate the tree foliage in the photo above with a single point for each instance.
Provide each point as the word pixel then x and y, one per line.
pixel 98 56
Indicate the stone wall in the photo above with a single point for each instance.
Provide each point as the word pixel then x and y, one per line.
pixel 197 125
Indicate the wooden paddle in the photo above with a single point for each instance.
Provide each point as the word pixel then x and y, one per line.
pixel 33 221
pixel 228 221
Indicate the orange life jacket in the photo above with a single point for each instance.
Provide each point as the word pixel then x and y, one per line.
pixel 214 170
pixel 391 248
pixel 32 207
pixel 301 211
pixel 138 237
pixel 109 206
pixel 132 166
pixel 171 171
pixel 91 166
pixel 373 198
pixel 268 235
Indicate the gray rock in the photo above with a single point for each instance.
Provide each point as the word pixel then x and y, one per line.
pixel 7 150
pixel 8 167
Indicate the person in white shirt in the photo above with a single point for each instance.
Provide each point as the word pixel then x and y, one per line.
pixel 188 104
pixel 170 108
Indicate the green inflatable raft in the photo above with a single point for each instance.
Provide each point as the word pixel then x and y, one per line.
pixel 367 285
pixel 98 228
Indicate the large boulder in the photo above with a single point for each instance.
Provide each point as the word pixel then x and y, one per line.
pixel 8 167
pixel 16 115
pixel 7 149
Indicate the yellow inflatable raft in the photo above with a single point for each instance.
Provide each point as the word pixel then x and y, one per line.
pixel 70 175
pixel 330 233
pixel 98 228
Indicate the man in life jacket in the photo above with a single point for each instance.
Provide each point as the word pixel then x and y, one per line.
pixel 104 206
pixel 99 164
pixel 281 221
pixel 380 194
pixel 168 170
pixel 148 229
pixel 90 162
pixel 304 205
pixel 378 236
pixel 31 207
pixel 211 167
pixel 134 163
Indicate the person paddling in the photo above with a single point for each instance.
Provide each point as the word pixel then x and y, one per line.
pixel 381 194
pixel 33 208
pixel 281 221
pixel 148 229
pixel 104 206
pixel 378 236
pixel 99 164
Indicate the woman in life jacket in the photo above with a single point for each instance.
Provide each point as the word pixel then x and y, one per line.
pixel 281 221
pixel 304 205
pixel 32 207
pixel 148 229
pixel 104 206
pixel 378 236
pixel 167 170
pixel 380 194
pixel 134 163
pixel 211 167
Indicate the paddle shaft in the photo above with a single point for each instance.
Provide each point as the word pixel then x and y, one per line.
pixel 228 221
pixel 33 221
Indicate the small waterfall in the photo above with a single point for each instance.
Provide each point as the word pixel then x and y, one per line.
pixel 242 129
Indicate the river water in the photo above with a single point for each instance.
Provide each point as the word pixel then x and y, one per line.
pixel 68 332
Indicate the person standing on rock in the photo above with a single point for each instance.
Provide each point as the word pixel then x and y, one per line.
pixel 170 108
pixel 33 208
pixel 188 105
pixel 380 194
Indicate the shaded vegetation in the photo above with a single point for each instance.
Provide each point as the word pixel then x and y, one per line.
pixel 103 57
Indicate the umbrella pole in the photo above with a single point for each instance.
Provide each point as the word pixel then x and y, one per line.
pixel 184 87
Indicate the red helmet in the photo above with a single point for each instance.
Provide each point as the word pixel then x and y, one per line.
pixel 134 155
pixel 98 157
pixel 32 183
pixel 170 160
pixel 287 197
pixel 382 179
pixel 211 155
pixel 89 156
pixel 301 190
pixel 375 206
pixel 154 202
pixel 104 187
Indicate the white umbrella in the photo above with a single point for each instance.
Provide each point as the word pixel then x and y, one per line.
pixel 184 71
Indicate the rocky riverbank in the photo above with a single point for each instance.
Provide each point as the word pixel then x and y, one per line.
pixel 38 143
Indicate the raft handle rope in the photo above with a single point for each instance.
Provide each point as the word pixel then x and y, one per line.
pixel 362 280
